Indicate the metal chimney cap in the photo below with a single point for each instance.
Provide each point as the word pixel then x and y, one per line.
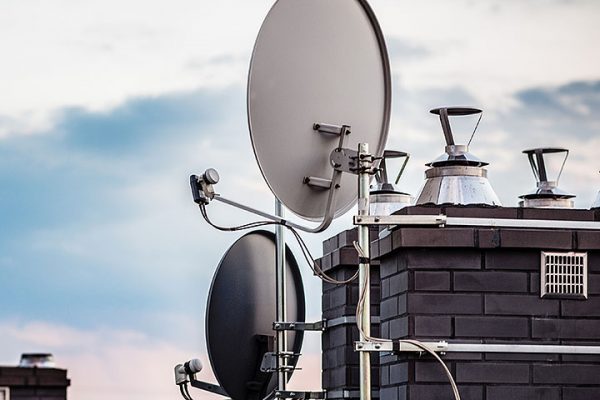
pixel 547 189
pixel 546 194
pixel 380 188
pixel 457 154
pixel 545 150
pixel 596 203
pixel 39 360
pixel 459 111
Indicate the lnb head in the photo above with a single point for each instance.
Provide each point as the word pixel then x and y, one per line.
pixel 211 176
pixel 202 186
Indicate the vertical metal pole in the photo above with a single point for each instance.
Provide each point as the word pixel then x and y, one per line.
pixel 364 270
pixel 280 282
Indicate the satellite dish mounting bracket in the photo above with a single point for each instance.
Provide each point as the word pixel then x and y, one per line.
pixel 346 158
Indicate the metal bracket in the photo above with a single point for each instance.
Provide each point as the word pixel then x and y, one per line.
pixel 348 320
pixel 344 160
pixel 445 347
pixel 209 387
pixel 438 220
pixel 330 129
pixel 319 183
pixel 441 220
pixel 269 362
pixel 281 394
pixel 299 326
pixel 348 394
pixel 376 346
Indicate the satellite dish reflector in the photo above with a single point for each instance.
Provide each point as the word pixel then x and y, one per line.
pixel 241 311
pixel 316 62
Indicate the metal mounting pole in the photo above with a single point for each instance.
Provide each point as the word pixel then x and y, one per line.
pixel 281 304
pixel 364 267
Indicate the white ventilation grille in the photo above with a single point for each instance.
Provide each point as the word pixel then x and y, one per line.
pixel 564 275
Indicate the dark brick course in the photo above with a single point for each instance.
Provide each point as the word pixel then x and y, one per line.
pixel 565 328
pixel 522 393
pixel 491 327
pixel 479 372
pixel 35 383
pixel 438 326
pixel 487 281
pixel 498 304
pixel 444 392
pixel 570 374
pixel 431 303
pixel 432 281
pixel 581 393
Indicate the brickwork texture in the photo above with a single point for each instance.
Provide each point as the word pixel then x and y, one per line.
pixel 471 285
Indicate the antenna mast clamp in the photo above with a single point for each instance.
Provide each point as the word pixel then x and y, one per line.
pixel 299 326
pixel 295 395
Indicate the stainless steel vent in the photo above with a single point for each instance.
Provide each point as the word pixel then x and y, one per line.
pixel 546 194
pixel 457 176
pixel 386 198
pixel 564 275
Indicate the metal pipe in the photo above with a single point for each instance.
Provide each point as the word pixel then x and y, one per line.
pixel 445 347
pixel 364 268
pixel 281 304
pixel 442 220
pixel 322 226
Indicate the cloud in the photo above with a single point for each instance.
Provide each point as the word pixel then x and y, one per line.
pixel 540 116
pixel 492 49
pixel 101 363
pixel 120 364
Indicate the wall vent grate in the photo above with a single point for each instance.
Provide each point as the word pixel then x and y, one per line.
pixel 564 275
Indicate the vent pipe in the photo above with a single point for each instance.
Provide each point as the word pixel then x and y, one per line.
pixel 385 197
pixel 457 176
pixel 546 194
pixel 38 360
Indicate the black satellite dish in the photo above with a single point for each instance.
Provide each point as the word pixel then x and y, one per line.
pixel 241 311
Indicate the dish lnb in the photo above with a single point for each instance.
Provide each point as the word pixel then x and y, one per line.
pixel 202 186
pixel 546 194
pixel 190 367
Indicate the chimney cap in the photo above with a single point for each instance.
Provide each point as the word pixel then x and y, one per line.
pixel 39 360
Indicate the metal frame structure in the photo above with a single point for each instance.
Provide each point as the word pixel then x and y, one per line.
pixel 445 347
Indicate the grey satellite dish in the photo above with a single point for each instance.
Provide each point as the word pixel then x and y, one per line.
pixel 316 62
pixel 241 311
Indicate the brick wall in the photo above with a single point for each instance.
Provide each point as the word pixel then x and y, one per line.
pixel 482 285
pixel 340 362
pixel 473 285
pixel 35 383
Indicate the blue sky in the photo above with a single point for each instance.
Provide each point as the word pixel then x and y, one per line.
pixel 108 108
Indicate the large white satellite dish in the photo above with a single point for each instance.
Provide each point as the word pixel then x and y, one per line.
pixel 316 62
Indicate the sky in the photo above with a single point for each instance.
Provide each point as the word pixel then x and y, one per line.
pixel 108 107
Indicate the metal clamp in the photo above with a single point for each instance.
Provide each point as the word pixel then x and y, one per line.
pixel 331 129
pixel 281 394
pixel 299 326
pixel 437 220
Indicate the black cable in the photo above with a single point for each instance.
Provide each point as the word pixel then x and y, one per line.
pixel 314 266
pixel 183 394
pixel 187 392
